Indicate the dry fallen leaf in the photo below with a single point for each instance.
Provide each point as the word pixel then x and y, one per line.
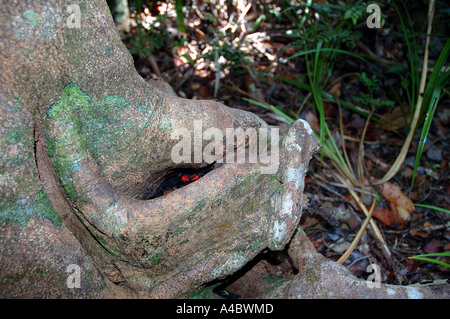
pixel 308 222
pixel 401 211
pixel 336 90
pixel 400 203
pixel 433 246
pixel 401 207
pixel 388 217
pixel 395 118
pixel 419 233
pixel 312 121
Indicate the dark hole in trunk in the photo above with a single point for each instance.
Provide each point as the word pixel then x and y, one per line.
pixel 174 179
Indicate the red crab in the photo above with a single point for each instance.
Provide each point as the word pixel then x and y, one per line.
pixel 189 178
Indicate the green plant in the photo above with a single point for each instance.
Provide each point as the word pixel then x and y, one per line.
pixel 226 53
pixel 230 50
pixel 367 99
pixel 409 83
pixel 433 207
pixel 147 41
pixel 424 95
pixel 180 15
pixel 322 46
pixel 425 257
pixel 438 79
pixel 436 261
pixel 322 42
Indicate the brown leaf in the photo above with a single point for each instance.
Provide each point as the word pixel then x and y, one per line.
pixel 432 246
pixel 204 93
pixel 419 233
pixel 336 90
pixel 427 224
pixel 329 109
pixel 395 118
pixel 308 222
pixel 317 243
pixel 290 51
pixel 387 217
pixel 447 247
pixel 401 203
pixel 312 120
pixel 403 213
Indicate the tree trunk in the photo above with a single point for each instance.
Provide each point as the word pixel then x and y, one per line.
pixel 87 151
pixel 91 202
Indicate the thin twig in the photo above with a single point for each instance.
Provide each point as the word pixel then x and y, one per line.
pixel 358 260
pixel 217 64
pixel 374 226
pixel 359 234
pixel 305 100
pixel 360 163
pixel 353 139
pixel 332 191
pixel 154 65
pixel 349 187
pixel 373 55
pixel 341 128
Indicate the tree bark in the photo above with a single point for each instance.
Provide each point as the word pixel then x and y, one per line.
pixel 86 151
pixel 87 145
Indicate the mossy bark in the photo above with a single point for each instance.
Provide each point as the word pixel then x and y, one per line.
pixel 84 138
pixel 86 142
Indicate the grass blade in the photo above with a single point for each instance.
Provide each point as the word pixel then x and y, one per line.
pixel 331 98
pixel 180 16
pixel 425 258
pixel 438 77
pixel 361 231
pixel 401 157
pixel 412 54
pixel 341 130
pixel 374 226
pixel 433 207
pixel 425 130
pixel 360 160
pixel 329 50
pixel 271 108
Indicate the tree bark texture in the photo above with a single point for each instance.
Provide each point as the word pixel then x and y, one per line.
pixel 86 147
pixel 86 142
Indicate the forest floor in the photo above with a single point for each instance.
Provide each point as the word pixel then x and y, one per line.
pixel 247 52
